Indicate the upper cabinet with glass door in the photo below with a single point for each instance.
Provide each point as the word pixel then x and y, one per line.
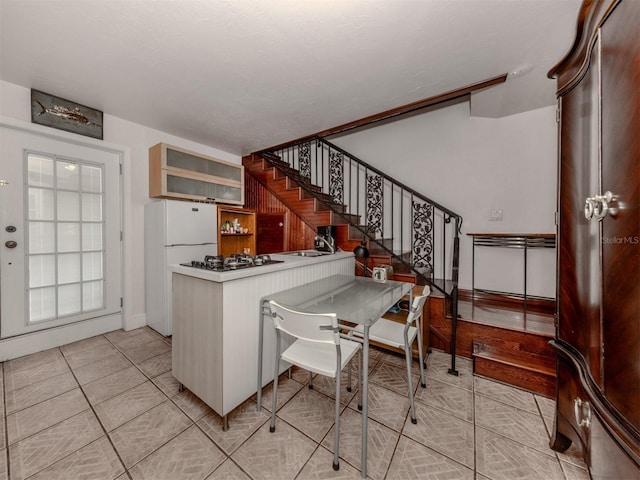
pixel 178 173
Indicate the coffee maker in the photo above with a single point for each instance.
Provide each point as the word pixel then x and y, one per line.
pixel 328 233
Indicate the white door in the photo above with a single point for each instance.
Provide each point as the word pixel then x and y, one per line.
pixel 60 246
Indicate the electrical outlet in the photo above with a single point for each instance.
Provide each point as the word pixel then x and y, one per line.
pixel 495 215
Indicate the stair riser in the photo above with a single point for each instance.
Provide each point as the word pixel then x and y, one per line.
pixel 538 383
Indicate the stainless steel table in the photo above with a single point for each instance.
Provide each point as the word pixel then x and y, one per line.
pixel 354 299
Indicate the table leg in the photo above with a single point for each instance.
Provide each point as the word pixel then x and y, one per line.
pixel 260 349
pixel 365 400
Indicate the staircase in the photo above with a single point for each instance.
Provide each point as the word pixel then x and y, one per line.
pixel 325 185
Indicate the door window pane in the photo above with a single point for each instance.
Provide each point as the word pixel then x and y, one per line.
pixel 40 171
pixel 91 266
pixel 91 207
pixel 40 204
pixel 68 237
pixel 68 268
pixel 69 299
pixel 68 206
pixel 42 270
pixel 42 303
pixel 91 236
pixel 41 237
pixel 92 295
pixel 68 176
pixel 91 179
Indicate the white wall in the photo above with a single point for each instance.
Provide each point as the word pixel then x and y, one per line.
pixel 15 103
pixel 472 165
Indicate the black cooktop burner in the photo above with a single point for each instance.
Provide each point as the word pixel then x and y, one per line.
pixel 237 261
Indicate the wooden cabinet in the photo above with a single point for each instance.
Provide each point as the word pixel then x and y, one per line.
pixel 241 239
pixel 178 173
pixel 598 334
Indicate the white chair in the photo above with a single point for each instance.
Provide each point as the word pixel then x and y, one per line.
pixel 317 348
pixel 395 334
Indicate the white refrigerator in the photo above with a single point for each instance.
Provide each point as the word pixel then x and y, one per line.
pixel 175 232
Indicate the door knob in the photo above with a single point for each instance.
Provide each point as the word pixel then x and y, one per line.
pixel 10 229
pixel 10 244
pixel 598 205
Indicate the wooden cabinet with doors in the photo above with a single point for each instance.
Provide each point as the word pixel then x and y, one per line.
pixel 236 240
pixel 178 173
pixel 598 332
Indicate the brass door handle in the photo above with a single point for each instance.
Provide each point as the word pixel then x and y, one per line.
pixel 11 244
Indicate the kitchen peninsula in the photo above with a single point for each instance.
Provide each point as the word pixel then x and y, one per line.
pixel 216 319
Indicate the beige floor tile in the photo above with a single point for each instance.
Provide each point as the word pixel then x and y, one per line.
pixel 243 422
pixel 500 458
pixel 287 388
pixel 310 412
pixel 320 466
pixel 43 415
pixel 381 443
pixel 417 462
pixel 327 385
pixel 117 337
pixel 144 434
pixel 166 382
pixel 385 406
pixel 91 355
pixel 438 369
pixel 190 404
pixel 443 432
pixel 82 345
pixel 108 387
pixel 506 394
pixel 279 455
pixel 572 472
pixel 128 405
pixel 394 378
pixel 189 455
pixel 43 449
pixel 519 425
pixel 157 365
pixel 445 396
pixel 108 365
pixel 39 392
pixel 4 473
pixel 32 369
pixel 228 471
pixel 95 461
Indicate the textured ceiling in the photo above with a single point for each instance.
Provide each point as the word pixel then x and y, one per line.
pixel 248 74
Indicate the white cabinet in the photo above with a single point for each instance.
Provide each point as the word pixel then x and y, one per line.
pixel 178 173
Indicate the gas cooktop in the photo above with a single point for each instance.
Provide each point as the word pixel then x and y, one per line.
pixel 237 261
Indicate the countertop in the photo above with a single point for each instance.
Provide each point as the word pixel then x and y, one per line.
pixel 289 262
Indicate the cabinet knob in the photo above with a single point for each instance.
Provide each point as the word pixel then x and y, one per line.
pixel 582 412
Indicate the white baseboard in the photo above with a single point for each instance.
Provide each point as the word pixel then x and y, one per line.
pixel 55 337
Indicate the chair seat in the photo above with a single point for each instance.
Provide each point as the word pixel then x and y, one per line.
pixel 320 357
pixel 388 332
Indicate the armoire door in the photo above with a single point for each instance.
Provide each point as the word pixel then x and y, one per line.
pixel 620 119
pixel 579 238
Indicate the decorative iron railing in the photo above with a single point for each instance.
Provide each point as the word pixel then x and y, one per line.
pixel 414 230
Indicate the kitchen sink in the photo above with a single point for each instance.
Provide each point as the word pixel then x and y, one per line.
pixel 307 253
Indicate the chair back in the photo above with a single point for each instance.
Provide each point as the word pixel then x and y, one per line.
pixel 314 327
pixel 418 304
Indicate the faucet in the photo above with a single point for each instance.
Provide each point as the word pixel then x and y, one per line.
pixel 331 245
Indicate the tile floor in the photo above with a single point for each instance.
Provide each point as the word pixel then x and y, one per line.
pixel 108 408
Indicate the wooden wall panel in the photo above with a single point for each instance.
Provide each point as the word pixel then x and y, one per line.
pixel 298 235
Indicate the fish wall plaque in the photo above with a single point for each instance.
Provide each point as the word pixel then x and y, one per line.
pixel 66 115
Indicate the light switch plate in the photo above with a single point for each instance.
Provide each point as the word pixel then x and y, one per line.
pixel 495 215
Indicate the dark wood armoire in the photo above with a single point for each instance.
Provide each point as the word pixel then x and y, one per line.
pixel 598 333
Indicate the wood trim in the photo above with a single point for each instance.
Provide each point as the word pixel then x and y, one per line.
pixel 571 67
pixel 460 93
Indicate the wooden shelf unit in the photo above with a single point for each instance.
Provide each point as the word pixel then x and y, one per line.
pixel 229 243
